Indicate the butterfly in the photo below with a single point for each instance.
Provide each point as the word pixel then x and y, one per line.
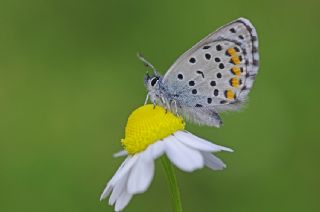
pixel 215 75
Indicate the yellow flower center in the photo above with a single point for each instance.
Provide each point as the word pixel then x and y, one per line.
pixel 149 124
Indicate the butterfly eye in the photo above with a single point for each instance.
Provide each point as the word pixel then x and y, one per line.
pixel 154 81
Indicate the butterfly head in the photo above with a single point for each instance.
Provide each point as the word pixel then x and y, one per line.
pixel 154 86
pixel 152 82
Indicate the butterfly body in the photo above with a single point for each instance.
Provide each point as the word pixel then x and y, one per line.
pixel 213 76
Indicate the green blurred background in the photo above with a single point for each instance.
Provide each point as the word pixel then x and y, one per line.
pixel 69 78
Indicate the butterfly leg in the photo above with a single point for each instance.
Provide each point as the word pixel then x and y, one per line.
pixel 147 98
pixel 154 104
pixel 164 104
pixel 174 102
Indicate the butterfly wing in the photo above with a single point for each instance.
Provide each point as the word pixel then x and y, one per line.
pixel 217 73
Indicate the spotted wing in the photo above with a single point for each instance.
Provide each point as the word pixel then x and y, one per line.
pixel 219 71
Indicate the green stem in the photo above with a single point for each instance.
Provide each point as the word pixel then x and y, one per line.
pixel 175 192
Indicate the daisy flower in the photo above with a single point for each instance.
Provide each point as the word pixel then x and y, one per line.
pixel 151 132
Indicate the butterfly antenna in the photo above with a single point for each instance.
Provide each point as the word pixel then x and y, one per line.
pixel 147 63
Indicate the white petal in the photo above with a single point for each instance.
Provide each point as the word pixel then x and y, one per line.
pixel 123 169
pixel 156 149
pixel 199 143
pixel 106 192
pixel 184 157
pixel 118 189
pixel 141 174
pixel 120 153
pixel 110 184
pixel 212 161
pixel 122 201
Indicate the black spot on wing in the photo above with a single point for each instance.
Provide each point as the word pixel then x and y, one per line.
pixel 244 88
pixel 192 60
pixel 216 92
pixel 180 76
pixel 207 56
pixel 223 101
pixel 200 72
pixel 191 83
pixel 213 83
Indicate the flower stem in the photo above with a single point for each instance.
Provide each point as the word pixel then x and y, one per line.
pixel 175 192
